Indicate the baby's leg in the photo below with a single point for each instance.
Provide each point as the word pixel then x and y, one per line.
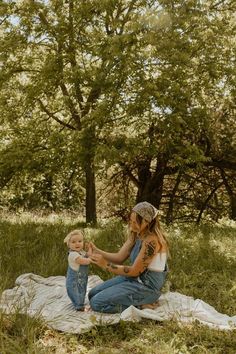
pixel 76 285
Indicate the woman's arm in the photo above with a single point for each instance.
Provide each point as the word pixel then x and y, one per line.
pixel 149 249
pixel 118 257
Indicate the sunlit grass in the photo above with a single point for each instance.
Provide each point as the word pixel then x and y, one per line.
pixel 202 265
pixel 41 217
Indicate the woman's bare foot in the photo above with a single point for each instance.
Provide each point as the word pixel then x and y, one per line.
pixel 152 306
pixel 81 309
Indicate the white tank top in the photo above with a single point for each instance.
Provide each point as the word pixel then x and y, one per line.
pixel 158 263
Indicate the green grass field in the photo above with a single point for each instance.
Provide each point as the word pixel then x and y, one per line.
pixel 203 265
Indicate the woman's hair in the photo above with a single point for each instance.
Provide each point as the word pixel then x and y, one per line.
pixel 72 233
pixel 154 227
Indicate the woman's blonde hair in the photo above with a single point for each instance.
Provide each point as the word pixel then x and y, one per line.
pixel 72 233
pixel 155 227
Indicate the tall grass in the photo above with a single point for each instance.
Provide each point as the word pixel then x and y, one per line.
pixel 202 264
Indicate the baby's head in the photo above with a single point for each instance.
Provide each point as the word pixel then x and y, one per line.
pixel 75 240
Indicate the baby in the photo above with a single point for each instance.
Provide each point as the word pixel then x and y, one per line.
pixel 77 272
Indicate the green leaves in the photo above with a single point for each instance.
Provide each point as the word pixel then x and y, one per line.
pixel 130 81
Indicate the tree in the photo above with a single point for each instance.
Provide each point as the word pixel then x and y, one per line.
pixel 182 101
pixel 146 89
pixel 69 61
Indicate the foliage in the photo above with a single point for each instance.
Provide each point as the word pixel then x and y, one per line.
pixel 31 171
pixel 68 64
pixel 140 92
pixel 181 110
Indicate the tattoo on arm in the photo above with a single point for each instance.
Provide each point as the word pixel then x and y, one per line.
pixel 126 269
pixel 149 250
pixel 112 266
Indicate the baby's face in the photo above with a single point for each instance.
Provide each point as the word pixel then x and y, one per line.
pixel 76 243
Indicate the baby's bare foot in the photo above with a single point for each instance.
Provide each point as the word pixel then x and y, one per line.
pixel 87 309
pixel 81 309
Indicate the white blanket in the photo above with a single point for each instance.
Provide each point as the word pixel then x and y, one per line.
pixel 47 298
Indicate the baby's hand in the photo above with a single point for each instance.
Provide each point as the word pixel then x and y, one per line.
pixel 86 246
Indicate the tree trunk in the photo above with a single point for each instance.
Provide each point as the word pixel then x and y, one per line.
pixel 231 194
pixel 48 191
pixel 233 207
pixel 169 215
pixel 151 195
pixel 91 215
pixel 150 185
pixel 88 143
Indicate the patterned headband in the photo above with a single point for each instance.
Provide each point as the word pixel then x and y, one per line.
pixel 146 210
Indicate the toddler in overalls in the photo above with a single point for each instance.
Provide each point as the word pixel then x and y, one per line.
pixel 77 272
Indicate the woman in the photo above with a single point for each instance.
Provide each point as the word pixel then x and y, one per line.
pixel 140 283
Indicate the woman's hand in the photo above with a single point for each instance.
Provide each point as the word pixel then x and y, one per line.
pixel 89 250
pixel 93 248
pixel 99 260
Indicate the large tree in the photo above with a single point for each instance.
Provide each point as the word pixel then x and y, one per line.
pixel 182 103
pixel 145 87
pixel 68 61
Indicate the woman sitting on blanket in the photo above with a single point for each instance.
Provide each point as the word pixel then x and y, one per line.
pixel 140 283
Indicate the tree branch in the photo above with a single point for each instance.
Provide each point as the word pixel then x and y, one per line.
pixel 206 201
pixel 129 173
pixel 52 115
pixel 70 104
pixel 72 53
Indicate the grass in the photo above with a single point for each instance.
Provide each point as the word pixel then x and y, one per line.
pixel 203 265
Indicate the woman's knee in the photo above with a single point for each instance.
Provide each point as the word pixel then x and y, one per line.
pixel 103 286
pixel 95 304
pixel 94 291
pixel 91 293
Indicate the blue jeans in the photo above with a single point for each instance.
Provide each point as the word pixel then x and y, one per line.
pixel 117 294
pixel 76 285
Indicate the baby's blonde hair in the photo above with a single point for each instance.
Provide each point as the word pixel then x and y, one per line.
pixel 72 233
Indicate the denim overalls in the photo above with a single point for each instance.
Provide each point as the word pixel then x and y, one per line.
pixel 118 293
pixel 76 285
